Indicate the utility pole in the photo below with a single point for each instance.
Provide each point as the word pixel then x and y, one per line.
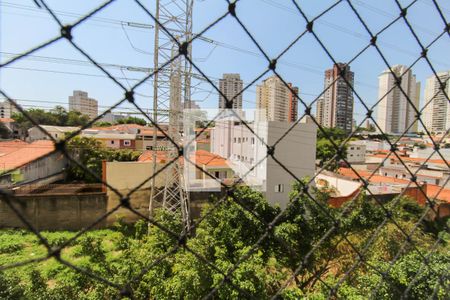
pixel 171 85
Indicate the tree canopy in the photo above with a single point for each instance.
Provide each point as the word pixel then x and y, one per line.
pixel 297 257
pixel 58 116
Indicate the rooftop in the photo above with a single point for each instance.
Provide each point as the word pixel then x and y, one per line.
pixel 24 153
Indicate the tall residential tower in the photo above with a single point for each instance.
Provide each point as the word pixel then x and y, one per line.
pixel 276 99
pixel 335 107
pixel 436 113
pixel 231 85
pixel 396 109
pixel 82 103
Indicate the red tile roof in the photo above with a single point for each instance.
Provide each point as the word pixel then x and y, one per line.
pixel 202 157
pixel 431 189
pixel 11 146
pixel 25 154
pixel 6 120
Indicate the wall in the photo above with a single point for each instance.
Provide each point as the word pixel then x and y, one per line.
pixel 54 212
pixel 124 177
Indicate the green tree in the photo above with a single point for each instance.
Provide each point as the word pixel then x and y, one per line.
pixel 90 153
pixel 132 120
pixel 5 133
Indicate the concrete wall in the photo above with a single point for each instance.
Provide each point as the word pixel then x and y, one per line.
pixel 124 177
pixel 54 212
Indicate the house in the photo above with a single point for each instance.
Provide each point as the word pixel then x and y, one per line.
pixel 56 132
pixel 119 140
pixel 22 163
pixel 356 153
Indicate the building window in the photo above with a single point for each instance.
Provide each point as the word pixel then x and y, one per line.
pixel 148 147
pixel 279 188
pixel 216 173
pixel 253 140
pixel 126 142
pixel 112 142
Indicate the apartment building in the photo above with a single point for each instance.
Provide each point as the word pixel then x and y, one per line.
pixel 335 108
pixel 231 85
pixel 436 112
pixel 293 104
pixel 243 150
pixel 276 101
pixel 396 109
pixel 7 109
pixel 80 102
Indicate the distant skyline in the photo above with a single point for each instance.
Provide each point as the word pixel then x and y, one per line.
pixel 121 36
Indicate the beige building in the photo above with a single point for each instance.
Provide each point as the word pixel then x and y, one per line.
pixel 436 113
pixel 335 108
pixel 82 103
pixel 56 132
pixel 395 114
pixel 7 109
pixel 274 99
pixel 231 85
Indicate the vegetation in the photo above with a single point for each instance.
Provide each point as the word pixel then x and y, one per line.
pixel 5 133
pixel 132 120
pixel 326 151
pixel 90 153
pixel 57 116
pixel 224 237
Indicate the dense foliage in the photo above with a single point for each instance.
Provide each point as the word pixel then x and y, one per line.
pixel 132 120
pixel 90 153
pixel 326 151
pixel 225 238
pixel 58 116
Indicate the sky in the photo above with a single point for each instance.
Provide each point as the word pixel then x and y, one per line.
pixel 122 36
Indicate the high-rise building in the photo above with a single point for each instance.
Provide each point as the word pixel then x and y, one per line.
pixel 293 104
pixel 335 108
pixel 231 85
pixel 396 108
pixel 436 113
pixel 82 103
pixel 319 111
pixel 276 100
pixel 7 109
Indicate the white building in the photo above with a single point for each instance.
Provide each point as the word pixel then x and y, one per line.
pixel 356 152
pixel 82 103
pixel 230 85
pixel 395 114
pixel 7 109
pixel 436 113
pixel 57 132
pixel 244 150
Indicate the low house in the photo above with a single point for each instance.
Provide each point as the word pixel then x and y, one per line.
pixel 117 140
pixel 36 162
pixel 43 132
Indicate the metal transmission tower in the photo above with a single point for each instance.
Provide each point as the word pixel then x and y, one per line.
pixel 170 86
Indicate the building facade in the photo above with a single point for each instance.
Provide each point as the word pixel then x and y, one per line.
pixel 436 112
pixel 293 104
pixel 335 108
pixel 247 154
pixel 56 132
pixel 275 100
pixel 7 109
pixel 80 102
pixel 230 86
pixel 396 108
